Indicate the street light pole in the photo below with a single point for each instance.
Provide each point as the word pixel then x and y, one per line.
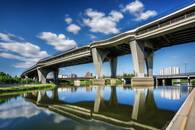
pixel 185 64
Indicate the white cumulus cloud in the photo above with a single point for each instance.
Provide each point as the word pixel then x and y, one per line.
pixel 116 16
pixel 102 23
pixel 146 15
pixel 68 20
pixel 136 8
pixel 25 52
pixel 73 28
pixel 5 37
pixel 60 42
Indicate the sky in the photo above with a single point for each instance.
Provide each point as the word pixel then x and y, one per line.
pixel 34 29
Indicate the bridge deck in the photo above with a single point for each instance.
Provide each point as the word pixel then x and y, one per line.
pixel 179 76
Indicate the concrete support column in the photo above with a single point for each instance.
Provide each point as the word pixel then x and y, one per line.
pixel 55 96
pixel 113 66
pixel 137 52
pixel 40 96
pixel 113 101
pixel 42 74
pixel 35 78
pixel 156 82
pixel 149 63
pixel 138 103
pixel 98 58
pixel 26 77
pixel 189 81
pixel 163 82
pixel 98 99
pixel 55 75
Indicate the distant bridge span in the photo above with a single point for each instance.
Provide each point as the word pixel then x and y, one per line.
pixel 167 79
pixel 173 29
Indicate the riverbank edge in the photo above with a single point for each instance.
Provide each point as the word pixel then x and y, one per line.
pixel 26 87
pixel 180 119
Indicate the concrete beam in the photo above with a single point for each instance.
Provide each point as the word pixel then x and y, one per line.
pixel 137 51
pixel 113 67
pixel 98 59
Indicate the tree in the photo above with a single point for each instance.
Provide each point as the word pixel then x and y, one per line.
pixel 7 79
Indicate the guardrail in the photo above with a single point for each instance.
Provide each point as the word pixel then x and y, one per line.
pixel 191 74
pixel 67 53
pixel 169 22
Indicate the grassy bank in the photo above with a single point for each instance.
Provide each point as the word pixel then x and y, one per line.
pixel 26 87
pixel 183 81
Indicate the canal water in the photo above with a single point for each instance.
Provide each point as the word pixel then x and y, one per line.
pixel 92 108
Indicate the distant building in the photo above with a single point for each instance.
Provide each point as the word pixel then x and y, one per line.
pixel 170 71
pixel 62 76
pixel 65 76
pixel 73 76
pixel 88 75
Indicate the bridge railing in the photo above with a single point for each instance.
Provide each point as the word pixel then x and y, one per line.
pixel 63 54
pixel 168 22
pixel 181 74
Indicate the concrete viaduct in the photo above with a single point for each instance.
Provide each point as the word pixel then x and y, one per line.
pixel 141 42
pixel 167 79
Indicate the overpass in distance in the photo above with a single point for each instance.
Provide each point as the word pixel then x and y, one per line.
pixel 167 79
pixel 141 42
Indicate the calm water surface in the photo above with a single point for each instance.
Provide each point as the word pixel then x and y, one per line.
pixel 138 108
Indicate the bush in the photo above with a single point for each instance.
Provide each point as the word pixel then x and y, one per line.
pixel 128 75
pixel 193 82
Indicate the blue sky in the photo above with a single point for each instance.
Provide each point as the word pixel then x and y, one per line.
pixel 33 29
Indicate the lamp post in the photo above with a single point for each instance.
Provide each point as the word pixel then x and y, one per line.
pixel 185 64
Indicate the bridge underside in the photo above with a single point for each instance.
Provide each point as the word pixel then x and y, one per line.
pixel 174 38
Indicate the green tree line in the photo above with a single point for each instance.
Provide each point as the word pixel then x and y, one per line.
pixel 7 79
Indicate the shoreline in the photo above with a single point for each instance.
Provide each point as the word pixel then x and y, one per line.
pixel 25 87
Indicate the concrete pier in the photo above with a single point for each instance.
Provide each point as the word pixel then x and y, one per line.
pixel 98 81
pixel 77 82
pixel 98 59
pixel 113 67
pixel 140 59
pixel 142 82
pixel 42 74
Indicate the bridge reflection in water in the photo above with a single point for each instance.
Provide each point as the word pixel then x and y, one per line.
pixel 142 108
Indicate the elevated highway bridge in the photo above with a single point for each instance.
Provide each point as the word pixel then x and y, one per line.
pixel 141 42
